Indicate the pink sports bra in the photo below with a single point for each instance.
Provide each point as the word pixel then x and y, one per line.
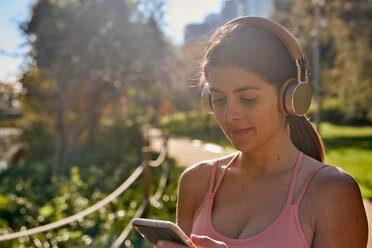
pixel 284 232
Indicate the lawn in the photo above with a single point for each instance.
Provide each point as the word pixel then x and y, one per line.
pixel 350 147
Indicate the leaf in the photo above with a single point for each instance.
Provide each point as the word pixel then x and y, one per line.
pixel 46 210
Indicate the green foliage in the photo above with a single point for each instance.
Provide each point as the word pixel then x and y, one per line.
pixel 114 144
pixel 346 51
pixel 30 198
pixel 86 58
pixel 40 139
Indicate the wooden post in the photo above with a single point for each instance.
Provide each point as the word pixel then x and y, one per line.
pixel 147 179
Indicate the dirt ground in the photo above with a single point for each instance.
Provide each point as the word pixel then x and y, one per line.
pixel 188 152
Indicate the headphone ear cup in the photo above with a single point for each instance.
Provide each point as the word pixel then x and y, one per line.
pixel 282 94
pixel 294 98
pixel 297 98
pixel 206 99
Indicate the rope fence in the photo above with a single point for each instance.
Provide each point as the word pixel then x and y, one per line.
pixel 123 236
pixel 113 195
pixel 154 201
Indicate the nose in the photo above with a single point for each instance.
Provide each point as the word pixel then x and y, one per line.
pixel 232 112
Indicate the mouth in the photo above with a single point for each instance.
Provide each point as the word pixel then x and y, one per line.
pixel 239 132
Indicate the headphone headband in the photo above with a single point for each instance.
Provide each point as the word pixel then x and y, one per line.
pixel 283 34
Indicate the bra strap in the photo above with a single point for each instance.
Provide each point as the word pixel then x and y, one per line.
pixel 213 175
pixel 224 172
pixel 306 184
pixel 294 178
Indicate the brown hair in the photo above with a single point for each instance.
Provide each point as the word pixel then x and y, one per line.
pixel 258 50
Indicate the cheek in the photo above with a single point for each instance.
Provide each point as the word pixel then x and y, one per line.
pixel 262 111
pixel 266 115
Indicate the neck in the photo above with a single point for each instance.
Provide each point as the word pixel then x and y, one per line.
pixel 279 154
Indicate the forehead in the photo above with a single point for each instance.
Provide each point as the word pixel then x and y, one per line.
pixel 231 77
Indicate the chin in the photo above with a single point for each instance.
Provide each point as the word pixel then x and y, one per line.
pixel 243 146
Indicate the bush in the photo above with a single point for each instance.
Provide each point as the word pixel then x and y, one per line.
pixel 40 139
pixel 30 197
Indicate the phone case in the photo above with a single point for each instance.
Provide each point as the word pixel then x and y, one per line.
pixel 155 230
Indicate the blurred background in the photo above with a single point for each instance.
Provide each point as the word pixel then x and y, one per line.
pixel 83 84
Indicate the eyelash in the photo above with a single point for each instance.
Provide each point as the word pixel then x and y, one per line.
pixel 248 100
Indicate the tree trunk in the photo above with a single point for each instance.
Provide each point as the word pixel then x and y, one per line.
pixel 83 125
pixel 93 124
pixel 59 133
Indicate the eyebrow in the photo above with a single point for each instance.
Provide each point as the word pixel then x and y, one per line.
pixel 236 90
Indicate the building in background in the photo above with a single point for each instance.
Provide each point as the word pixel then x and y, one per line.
pixel 230 9
pixel 262 8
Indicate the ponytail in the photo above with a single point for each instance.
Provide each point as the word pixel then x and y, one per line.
pixel 305 137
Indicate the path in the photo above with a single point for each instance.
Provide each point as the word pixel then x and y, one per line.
pixel 188 152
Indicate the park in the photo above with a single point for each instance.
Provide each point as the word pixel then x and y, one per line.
pixel 105 114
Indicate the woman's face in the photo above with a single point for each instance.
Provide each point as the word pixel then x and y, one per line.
pixel 246 107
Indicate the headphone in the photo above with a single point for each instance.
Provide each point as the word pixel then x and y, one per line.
pixel 295 94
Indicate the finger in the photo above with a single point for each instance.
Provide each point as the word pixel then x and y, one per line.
pixel 206 242
pixel 168 244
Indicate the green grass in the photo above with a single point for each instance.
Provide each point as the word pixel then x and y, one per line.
pixel 350 148
pixel 347 147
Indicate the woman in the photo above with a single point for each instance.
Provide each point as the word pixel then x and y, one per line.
pixel 275 191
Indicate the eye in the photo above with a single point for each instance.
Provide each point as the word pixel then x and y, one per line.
pixel 248 100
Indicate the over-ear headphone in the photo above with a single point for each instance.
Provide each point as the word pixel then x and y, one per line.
pixel 295 94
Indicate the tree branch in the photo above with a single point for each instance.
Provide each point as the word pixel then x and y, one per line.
pixel 79 130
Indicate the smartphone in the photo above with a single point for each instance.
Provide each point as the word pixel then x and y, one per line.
pixel 155 230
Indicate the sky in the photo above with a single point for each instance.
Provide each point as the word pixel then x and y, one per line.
pixel 178 13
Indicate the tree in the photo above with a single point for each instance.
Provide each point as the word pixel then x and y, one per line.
pixel 346 50
pixel 9 102
pixel 91 51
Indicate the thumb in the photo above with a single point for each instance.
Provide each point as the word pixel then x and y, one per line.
pixel 207 242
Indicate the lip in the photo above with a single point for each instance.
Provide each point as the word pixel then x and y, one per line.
pixel 239 132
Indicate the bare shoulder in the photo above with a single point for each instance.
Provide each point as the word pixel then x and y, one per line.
pixel 333 184
pixel 198 175
pixel 330 181
pixel 340 219
pixel 194 181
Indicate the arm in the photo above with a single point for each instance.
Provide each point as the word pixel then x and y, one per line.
pixel 340 218
pixel 192 188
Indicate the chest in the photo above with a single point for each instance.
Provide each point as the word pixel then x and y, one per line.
pixel 242 210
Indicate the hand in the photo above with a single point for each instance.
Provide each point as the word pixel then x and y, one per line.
pixel 207 242
pixel 168 244
pixel 199 241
